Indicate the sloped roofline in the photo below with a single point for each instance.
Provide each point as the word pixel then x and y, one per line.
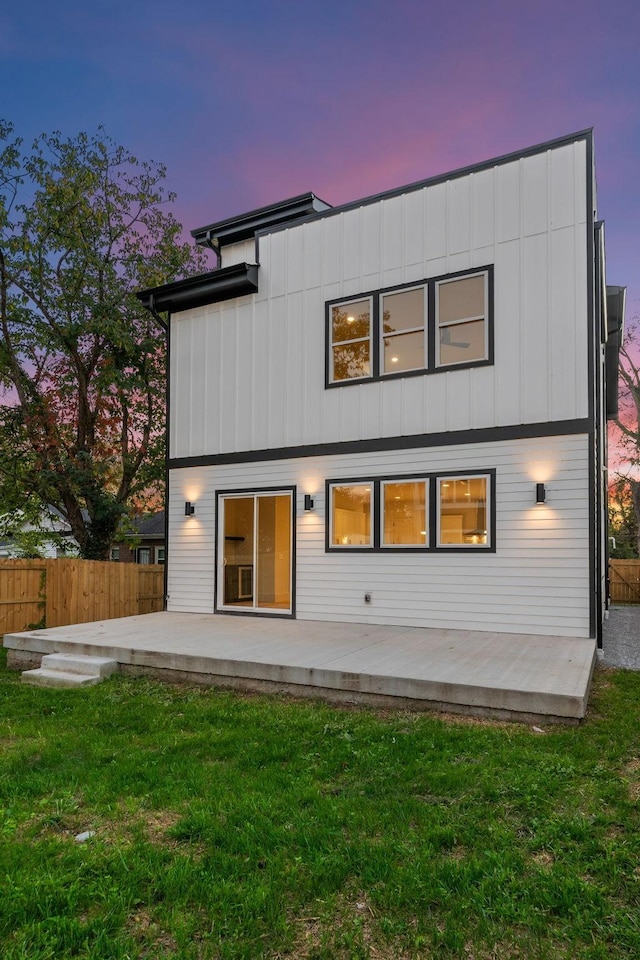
pixel 586 134
pixel 242 279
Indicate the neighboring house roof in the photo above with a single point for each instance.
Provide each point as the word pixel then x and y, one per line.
pixel 149 528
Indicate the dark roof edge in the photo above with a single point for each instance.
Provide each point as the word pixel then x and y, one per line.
pixel 616 302
pixel 586 134
pixel 616 299
pixel 237 280
pixel 244 226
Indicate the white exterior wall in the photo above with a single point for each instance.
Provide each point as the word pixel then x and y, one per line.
pixel 537 581
pixel 243 252
pixel 248 374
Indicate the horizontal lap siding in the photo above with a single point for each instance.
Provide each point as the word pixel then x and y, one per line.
pixel 249 373
pixel 536 582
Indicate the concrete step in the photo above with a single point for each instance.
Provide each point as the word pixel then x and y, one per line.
pixel 70 670
pixel 59 678
pixel 80 663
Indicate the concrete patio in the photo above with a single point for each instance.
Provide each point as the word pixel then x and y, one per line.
pixel 510 676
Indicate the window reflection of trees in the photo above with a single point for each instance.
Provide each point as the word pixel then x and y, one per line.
pixel 351 344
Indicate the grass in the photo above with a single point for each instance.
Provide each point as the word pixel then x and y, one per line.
pixel 239 827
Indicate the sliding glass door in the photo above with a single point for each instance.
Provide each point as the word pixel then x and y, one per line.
pixel 255 552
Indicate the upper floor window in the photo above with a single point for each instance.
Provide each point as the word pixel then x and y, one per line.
pixel 351 351
pixel 423 328
pixel 461 309
pixel 403 330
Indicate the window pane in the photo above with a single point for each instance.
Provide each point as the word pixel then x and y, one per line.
pixel 273 555
pixel 351 519
pixel 463 511
pixel 404 506
pixel 461 299
pixel 404 352
pixel 403 311
pixel 238 551
pixel 351 360
pixel 462 342
pixel 350 321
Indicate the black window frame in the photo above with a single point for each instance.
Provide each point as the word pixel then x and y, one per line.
pixel 252 492
pixel 431 329
pixel 431 546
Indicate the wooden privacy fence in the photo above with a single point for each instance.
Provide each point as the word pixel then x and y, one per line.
pixel 624 581
pixel 54 593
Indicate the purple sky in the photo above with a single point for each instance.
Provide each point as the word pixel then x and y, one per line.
pixel 251 101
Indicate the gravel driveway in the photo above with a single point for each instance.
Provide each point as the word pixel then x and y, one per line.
pixel 621 637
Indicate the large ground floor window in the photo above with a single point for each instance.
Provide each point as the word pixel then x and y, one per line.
pixel 255 552
pixel 434 512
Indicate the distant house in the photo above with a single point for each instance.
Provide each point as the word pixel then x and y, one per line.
pixel 394 411
pixel 146 544
pixel 21 534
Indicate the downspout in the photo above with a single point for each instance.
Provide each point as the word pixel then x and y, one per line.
pixel 166 327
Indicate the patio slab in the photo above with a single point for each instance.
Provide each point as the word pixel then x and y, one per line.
pixel 477 672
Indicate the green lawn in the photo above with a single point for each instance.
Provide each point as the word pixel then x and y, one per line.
pixel 230 826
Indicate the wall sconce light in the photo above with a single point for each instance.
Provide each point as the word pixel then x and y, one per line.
pixel 541 493
pixel 189 508
pixel 308 501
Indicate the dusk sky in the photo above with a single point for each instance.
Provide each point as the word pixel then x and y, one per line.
pixel 252 101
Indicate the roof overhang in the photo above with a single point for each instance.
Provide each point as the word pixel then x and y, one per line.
pixel 238 280
pixel 616 297
pixel 244 227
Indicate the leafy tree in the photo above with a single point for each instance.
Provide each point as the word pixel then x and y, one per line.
pixel 627 484
pixel 83 224
pixel 623 523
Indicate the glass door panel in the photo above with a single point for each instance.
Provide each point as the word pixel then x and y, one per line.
pixel 273 560
pixel 256 569
pixel 238 551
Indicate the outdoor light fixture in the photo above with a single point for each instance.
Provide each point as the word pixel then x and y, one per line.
pixel 308 501
pixel 189 508
pixel 541 493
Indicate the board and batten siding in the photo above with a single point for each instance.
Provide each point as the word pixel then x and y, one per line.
pixel 248 374
pixel 537 581
pixel 243 252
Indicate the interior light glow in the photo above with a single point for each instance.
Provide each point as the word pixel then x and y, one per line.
pixel 394 359
pixel 351 319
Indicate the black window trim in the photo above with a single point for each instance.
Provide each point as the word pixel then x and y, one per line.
pixel 432 546
pixel 429 284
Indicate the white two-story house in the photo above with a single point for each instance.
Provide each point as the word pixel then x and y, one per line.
pixel 394 411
